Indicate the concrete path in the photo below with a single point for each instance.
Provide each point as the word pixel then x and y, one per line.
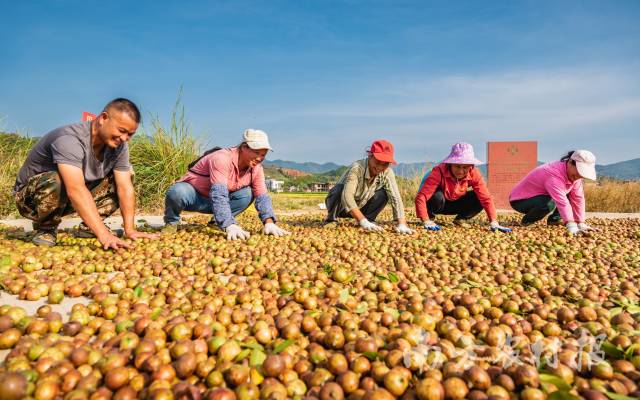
pixel 156 220
pixel 111 222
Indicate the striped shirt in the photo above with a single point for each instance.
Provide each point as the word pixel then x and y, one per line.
pixel 359 188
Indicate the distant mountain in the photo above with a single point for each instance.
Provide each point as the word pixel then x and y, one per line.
pixel 310 167
pixel 625 170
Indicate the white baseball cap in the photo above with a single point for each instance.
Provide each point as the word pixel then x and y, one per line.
pixel 585 163
pixel 256 139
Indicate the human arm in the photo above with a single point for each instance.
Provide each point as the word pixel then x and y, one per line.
pixel 127 202
pixel 428 188
pixel 482 192
pixel 577 201
pixel 351 181
pixel 82 201
pixel 555 188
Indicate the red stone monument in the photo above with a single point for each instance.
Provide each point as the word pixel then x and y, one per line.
pixel 87 116
pixel 507 164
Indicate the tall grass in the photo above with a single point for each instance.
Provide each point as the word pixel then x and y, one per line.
pixel 160 157
pixel 13 151
pixel 613 196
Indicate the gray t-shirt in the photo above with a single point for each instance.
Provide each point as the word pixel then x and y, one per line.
pixel 71 145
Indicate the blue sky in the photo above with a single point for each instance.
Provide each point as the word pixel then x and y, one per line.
pixel 325 78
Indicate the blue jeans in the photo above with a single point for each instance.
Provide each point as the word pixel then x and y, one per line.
pixel 181 196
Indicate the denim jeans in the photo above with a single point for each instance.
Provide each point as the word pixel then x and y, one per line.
pixel 181 196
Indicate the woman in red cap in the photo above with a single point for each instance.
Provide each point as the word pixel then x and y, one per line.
pixel 446 191
pixel 365 188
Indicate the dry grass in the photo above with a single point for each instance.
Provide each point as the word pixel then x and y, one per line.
pixel 13 151
pixel 284 202
pixel 160 157
pixel 613 196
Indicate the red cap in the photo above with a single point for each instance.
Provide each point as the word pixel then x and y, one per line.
pixel 383 151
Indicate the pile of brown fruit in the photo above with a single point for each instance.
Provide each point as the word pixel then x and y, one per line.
pixel 327 313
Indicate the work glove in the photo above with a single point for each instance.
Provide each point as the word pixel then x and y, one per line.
pixel 572 227
pixel 370 226
pixel 404 229
pixel 272 229
pixel 495 226
pixel 431 226
pixel 585 228
pixel 235 232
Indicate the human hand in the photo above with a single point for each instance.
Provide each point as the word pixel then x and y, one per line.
pixel 110 241
pixel 272 229
pixel 235 232
pixel 370 226
pixel 404 229
pixel 431 226
pixel 495 226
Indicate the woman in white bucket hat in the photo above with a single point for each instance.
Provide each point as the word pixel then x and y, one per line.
pixel 224 182
pixel 555 189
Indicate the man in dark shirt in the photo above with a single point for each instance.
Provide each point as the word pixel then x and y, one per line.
pixel 84 168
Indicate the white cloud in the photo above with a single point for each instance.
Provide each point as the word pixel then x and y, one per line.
pixel 435 112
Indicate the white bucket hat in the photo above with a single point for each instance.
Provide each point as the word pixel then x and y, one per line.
pixel 585 163
pixel 256 139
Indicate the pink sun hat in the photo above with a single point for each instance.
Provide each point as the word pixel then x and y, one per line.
pixel 461 153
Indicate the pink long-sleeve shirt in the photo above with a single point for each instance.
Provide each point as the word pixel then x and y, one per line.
pixel 221 167
pixel 551 179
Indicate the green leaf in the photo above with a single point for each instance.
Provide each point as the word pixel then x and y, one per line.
pixel 612 350
pixel 279 348
pixel 393 277
pixel 137 291
pixel 615 311
pixel 634 309
pixel 327 268
pixel 382 277
pixel 371 355
pixel 555 380
pixel 472 283
pixel 6 260
pixel 257 358
pixel 616 396
pixel 362 307
pixel 562 395
pixel 243 354
pixel 285 291
pixel 156 313
pixel 344 295
pixel 395 313
pixel 252 345
pixel 628 354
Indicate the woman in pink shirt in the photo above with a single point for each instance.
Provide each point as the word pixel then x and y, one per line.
pixel 224 183
pixel 555 189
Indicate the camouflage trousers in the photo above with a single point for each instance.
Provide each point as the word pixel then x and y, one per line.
pixel 44 199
